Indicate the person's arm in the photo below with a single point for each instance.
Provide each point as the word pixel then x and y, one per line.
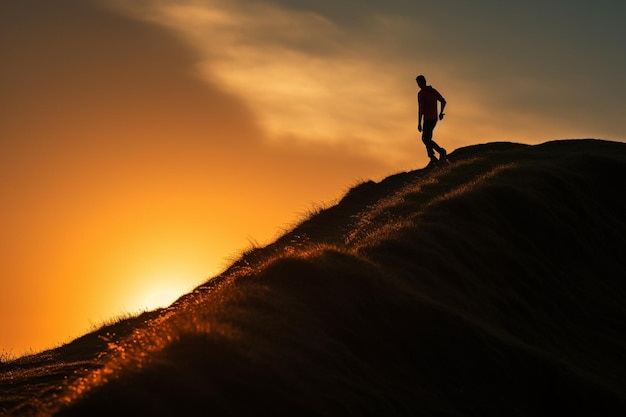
pixel 419 115
pixel 443 105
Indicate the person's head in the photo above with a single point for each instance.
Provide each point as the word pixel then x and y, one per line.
pixel 421 81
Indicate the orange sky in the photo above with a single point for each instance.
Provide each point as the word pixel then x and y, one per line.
pixel 145 144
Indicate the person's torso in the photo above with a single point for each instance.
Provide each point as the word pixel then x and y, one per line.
pixel 428 98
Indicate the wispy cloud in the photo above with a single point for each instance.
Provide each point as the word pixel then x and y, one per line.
pixel 305 77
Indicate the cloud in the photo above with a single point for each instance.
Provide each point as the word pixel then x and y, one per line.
pixel 304 76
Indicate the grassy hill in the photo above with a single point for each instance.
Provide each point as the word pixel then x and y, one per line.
pixel 494 285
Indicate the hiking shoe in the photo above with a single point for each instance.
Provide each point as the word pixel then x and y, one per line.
pixel 442 155
pixel 433 161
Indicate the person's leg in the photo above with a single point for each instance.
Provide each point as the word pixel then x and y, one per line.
pixel 442 152
pixel 432 146
pixel 427 137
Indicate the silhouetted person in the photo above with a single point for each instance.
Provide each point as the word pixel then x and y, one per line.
pixel 427 99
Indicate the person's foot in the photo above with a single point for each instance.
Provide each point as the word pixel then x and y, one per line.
pixel 442 155
pixel 433 161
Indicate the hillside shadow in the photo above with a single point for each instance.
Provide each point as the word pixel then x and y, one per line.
pixel 490 286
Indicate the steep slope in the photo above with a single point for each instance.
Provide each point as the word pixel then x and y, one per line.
pixel 494 285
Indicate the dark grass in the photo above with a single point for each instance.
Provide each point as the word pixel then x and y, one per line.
pixel 494 285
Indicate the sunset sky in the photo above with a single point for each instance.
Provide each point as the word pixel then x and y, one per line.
pixel 144 144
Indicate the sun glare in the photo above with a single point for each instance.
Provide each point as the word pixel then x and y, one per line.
pixel 157 285
pixel 158 295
